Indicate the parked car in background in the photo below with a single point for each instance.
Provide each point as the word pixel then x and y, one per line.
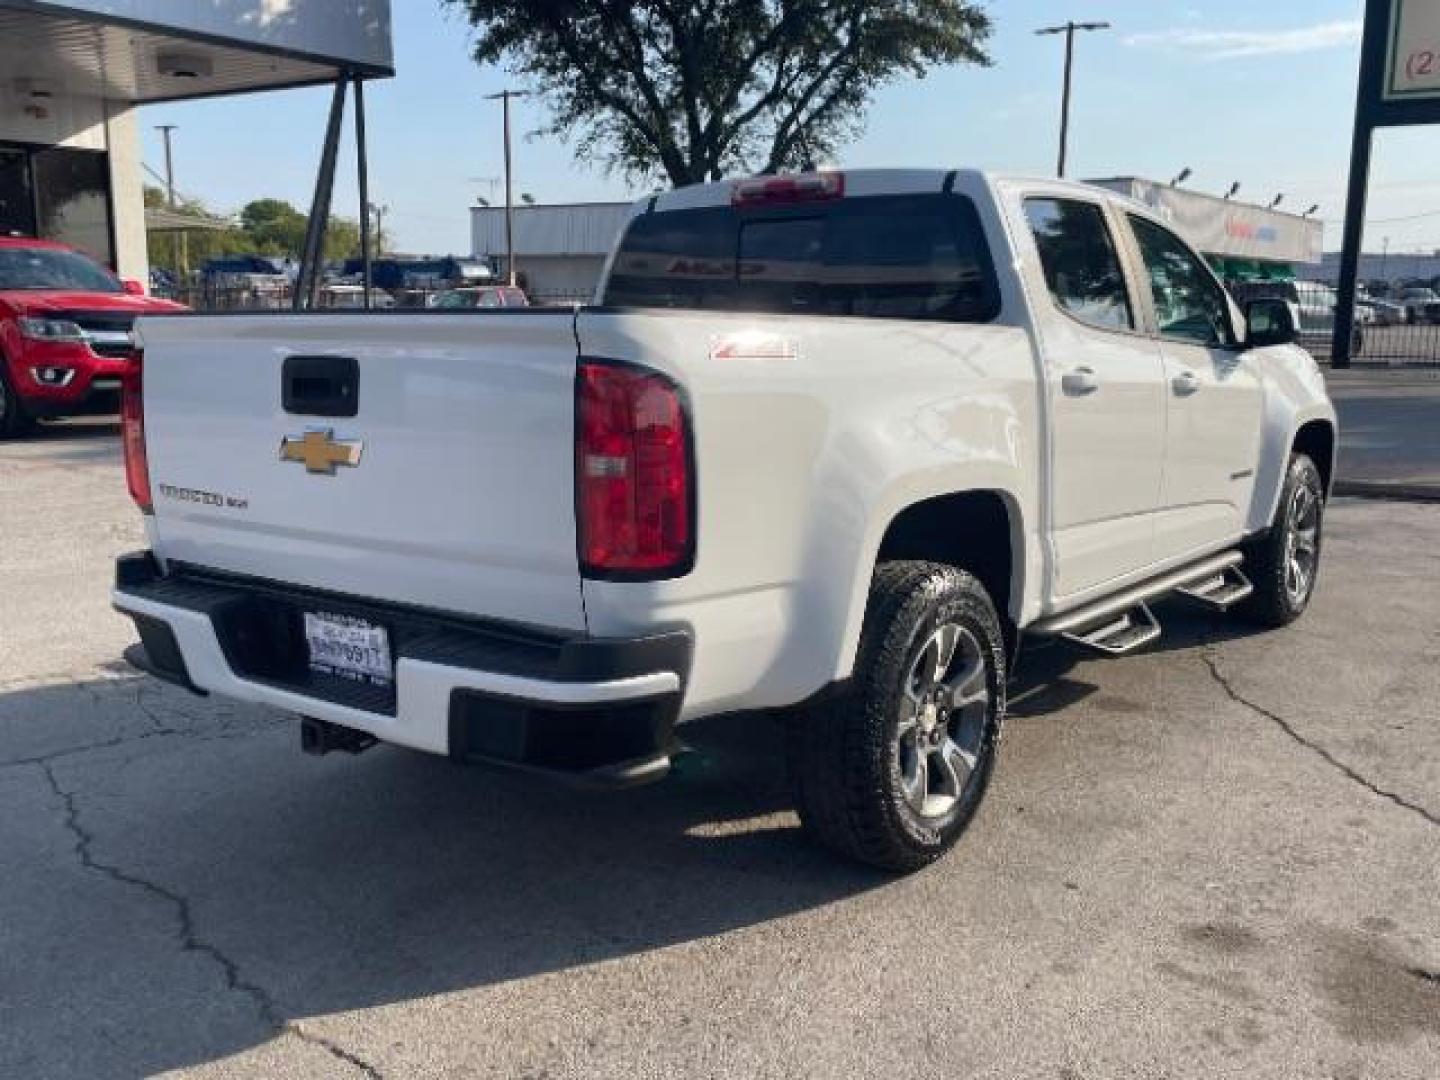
pixel 1382 312
pixel 66 333
pixel 427 274
pixel 828 444
pixel 494 296
pixel 1421 304
pixel 342 297
pixel 1315 304
pixel 249 281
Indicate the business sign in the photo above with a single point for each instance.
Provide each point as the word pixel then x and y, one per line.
pixel 1412 59
pixel 1230 229
pixel 343 32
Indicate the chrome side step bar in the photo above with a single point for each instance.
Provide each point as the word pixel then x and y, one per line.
pixel 1219 591
pixel 1123 622
pixel 1132 630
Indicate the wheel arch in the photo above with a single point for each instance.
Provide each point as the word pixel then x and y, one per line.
pixel 1316 439
pixel 981 530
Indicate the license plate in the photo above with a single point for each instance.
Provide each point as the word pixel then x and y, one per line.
pixel 349 648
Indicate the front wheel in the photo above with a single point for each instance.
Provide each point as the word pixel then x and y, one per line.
pixel 13 418
pixel 1285 562
pixel 891 770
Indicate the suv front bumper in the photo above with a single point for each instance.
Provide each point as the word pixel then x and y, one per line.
pixel 596 709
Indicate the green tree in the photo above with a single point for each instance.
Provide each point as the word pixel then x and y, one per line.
pixel 274 226
pixel 342 239
pixel 691 91
pixel 265 227
pixel 200 244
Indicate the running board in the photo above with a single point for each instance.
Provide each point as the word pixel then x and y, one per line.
pixel 1133 630
pixel 1082 621
pixel 1220 591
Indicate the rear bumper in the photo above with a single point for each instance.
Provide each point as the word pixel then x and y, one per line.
pixel 595 709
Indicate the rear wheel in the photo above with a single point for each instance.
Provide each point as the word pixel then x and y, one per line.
pixel 13 418
pixel 1285 562
pixel 892 770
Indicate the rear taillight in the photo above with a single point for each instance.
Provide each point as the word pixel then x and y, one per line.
pixel 132 435
pixel 632 473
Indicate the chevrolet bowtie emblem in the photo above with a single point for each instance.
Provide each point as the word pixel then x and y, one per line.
pixel 320 452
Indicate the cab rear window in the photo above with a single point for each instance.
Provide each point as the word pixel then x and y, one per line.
pixel 886 257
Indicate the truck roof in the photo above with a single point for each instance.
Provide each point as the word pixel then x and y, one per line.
pixel 861 182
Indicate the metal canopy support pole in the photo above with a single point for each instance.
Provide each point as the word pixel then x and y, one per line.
pixel 363 167
pixel 1350 245
pixel 1367 114
pixel 309 281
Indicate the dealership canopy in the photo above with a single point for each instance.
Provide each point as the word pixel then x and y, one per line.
pixel 141 51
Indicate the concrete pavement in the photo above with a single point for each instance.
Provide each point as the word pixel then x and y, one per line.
pixel 1220 858
pixel 1389 430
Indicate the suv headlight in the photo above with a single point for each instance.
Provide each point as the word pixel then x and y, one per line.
pixel 51 330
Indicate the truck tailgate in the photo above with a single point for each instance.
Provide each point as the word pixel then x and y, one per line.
pixel 455 488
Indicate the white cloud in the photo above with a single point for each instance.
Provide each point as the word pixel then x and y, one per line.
pixel 1231 44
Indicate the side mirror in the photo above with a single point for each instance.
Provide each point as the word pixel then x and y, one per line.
pixel 1271 321
pixel 133 287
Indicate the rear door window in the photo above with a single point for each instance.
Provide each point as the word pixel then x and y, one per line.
pixel 1078 258
pixel 895 257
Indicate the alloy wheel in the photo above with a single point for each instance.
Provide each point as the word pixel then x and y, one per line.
pixel 1302 543
pixel 944 706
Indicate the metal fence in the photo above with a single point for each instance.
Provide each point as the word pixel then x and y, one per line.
pixel 279 296
pixel 1396 324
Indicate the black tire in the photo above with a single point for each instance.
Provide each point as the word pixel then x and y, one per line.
pixel 1276 600
pixel 14 421
pixel 849 756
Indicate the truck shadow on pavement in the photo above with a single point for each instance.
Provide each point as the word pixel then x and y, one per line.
pixel 192 885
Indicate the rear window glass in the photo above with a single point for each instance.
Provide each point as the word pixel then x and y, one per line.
pixel 889 257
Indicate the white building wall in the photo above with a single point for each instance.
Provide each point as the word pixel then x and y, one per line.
pixel 559 277
pixel 58 120
pixel 577 229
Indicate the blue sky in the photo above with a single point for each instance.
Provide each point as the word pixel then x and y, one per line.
pixel 1262 93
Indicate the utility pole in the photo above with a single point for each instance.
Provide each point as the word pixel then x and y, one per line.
pixel 1384 257
pixel 1068 29
pixel 379 210
pixel 181 254
pixel 505 96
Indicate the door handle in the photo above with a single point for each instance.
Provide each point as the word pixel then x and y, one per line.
pixel 1080 381
pixel 1185 384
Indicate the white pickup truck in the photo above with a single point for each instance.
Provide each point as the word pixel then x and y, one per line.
pixel 826 444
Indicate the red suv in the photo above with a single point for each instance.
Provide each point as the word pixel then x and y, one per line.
pixel 65 333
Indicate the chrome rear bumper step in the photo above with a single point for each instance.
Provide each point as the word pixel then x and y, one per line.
pixel 1085 623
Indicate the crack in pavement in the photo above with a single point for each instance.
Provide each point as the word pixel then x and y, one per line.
pixel 43 760
pixel 190 940
pixel 1211 662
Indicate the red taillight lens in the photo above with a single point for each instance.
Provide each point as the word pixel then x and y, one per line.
pixel 632 473
pixel 132 435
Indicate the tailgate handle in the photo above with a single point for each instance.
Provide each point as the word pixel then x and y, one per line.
pixel 321 385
